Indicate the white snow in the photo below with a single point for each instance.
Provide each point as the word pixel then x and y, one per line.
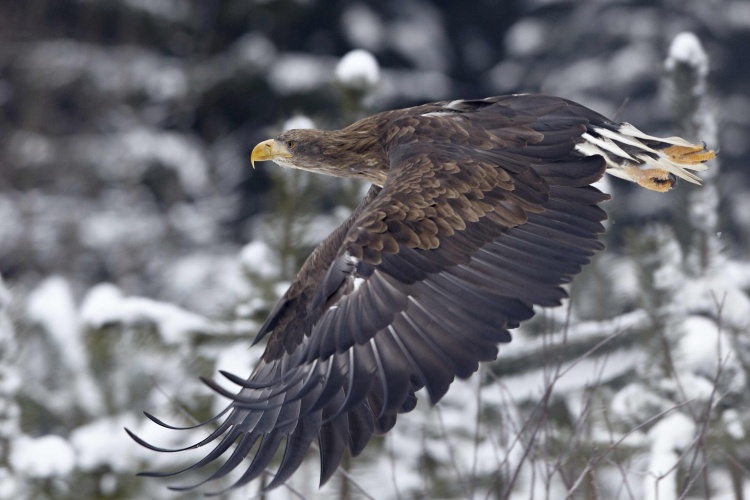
pixel 706 352
pixel 52 307
pixel 104 443
pixel 11 379
pixel 298 122
pixel 686 48
pixel 9 487
pixel 701 347
pixel 636 403
pixel 126 155
pixel 688 387
pixel 120 224
pixel 358 70
pixel 281 287
pixel 218 275
pixel 259 258
pixel 42 457
pixel 719 290
pixel 669 437
pixel 733 424
pixel 105 305
pixel 318 227
pixel 675 431
pixel 197 221
pixel 172 150
pixel 586 372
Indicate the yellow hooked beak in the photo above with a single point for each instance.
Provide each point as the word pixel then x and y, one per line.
pixel 269 150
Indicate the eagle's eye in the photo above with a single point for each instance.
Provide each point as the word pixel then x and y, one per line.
pixel 291 144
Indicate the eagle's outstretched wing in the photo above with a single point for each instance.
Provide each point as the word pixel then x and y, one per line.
pixel 487 209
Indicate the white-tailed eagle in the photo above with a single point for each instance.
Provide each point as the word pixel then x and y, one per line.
pixel 478 211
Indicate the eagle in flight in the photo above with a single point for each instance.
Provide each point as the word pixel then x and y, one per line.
pixel 479 210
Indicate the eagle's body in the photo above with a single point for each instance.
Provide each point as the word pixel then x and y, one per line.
pixel 479 211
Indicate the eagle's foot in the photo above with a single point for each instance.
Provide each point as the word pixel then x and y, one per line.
pixel 655 179
pixel 689 155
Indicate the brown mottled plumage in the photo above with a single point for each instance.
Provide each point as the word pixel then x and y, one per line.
pixel 479 211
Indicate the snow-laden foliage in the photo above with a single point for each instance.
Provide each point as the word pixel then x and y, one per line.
pixel 139 250
pixel 358 69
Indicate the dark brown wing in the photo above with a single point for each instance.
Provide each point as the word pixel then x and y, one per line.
pixel 486 211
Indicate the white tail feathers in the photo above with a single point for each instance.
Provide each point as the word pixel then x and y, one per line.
pixel 647 160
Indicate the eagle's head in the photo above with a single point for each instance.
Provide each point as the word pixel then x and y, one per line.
pixel 298 148
pixel 341 153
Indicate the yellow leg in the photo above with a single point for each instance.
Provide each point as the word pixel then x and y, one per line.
pixel 655 179
pixel 689 155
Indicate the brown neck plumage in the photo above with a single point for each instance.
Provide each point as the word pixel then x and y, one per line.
pixel 356 151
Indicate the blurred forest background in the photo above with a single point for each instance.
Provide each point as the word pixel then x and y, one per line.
pixel 139 250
